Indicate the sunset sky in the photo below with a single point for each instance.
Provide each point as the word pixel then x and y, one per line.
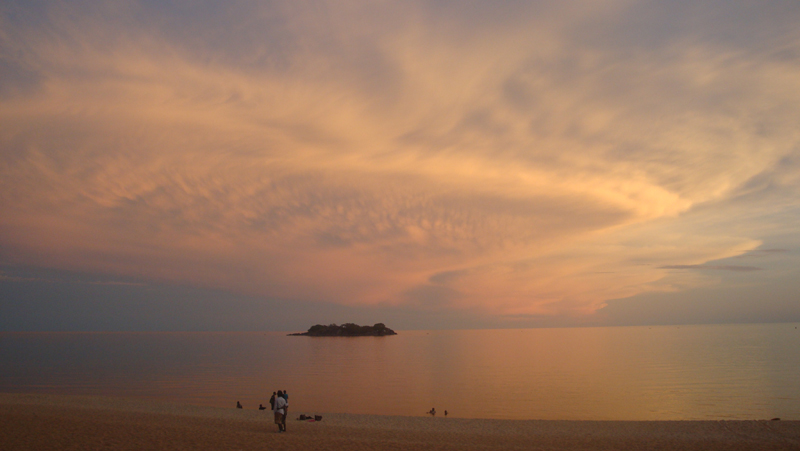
pixel 241 165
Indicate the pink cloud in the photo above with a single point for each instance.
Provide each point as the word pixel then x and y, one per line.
pixel 521 173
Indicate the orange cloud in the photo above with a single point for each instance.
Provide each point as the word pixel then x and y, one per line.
pixel 513 169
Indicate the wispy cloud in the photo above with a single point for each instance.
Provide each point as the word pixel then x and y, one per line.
pixel 71 280
pixel 504 158
pixel 763 253
pixel 714 267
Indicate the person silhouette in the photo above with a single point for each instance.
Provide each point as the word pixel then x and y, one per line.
pixel 285 409
pixel 280 412
pixel 238 405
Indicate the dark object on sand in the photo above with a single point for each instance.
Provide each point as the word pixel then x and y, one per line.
pixel 775 419
pixel 317 417
pixel 348 330
pixel 260 407
pixel 445 413
pixel 238 405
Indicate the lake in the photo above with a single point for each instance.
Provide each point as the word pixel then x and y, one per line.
pixel 613 373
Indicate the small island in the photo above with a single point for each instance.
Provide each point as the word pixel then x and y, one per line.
pixel 348 330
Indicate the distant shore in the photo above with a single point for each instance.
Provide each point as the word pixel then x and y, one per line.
pixel 40 422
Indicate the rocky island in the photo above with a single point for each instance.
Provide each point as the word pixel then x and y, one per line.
pixel 348 330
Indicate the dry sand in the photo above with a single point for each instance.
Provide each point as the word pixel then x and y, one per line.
pixel 34 422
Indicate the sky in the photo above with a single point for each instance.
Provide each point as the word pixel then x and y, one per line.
pixel 268 165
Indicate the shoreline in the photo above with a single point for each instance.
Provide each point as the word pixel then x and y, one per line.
pixel 43 421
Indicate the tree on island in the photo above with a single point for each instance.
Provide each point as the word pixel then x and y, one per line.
pixel 348 330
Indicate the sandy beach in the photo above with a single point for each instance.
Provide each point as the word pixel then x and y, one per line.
pixel 43 422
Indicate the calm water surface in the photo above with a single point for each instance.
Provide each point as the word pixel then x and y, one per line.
pixel 622 373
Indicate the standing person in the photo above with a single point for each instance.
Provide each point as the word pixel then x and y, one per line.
pixel 285 409
pixel 272 402
pixel 280 412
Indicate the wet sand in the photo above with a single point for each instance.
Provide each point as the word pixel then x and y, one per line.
pixel 44 422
